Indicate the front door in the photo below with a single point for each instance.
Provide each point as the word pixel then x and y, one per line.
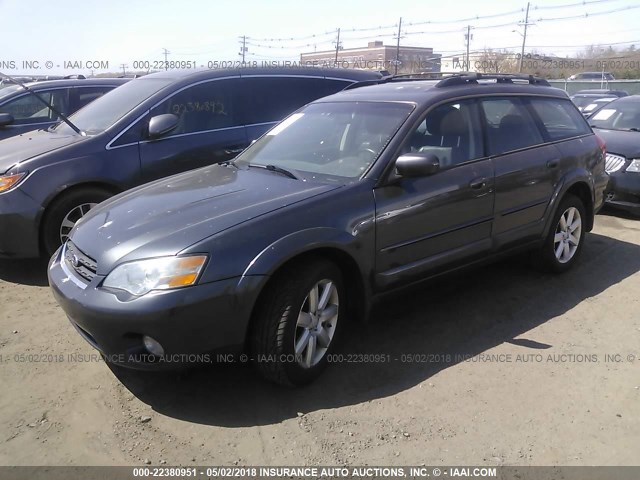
pixel 428 224
pixel 209 131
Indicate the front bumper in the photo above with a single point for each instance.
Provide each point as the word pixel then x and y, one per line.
pixel 190 323
pixel 623 191
pixel 19 215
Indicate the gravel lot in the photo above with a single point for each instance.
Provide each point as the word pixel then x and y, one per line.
pixel 518 375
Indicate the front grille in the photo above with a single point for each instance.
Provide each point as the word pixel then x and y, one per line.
pixel 614 163
pixel 82 264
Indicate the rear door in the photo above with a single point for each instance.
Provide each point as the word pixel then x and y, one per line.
pixel 526 169
pixel 210 129
pixel 268 99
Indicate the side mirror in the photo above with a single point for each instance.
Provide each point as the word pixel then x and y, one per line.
pixel 5 119
pixel 162 124
pixel 417 164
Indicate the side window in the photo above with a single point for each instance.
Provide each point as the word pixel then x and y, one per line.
pixel 270 99
pixel 134 134
pixel 451 132
pixel 560 119
pixel 86 95
pixel 28 109
pixel 509 125
pixel 203 107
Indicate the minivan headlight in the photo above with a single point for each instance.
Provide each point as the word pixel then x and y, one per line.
pixel 163 273
pixel 7 182
pixel 634 166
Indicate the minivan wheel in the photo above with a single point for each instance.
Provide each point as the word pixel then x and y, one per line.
pixel 65 211
pixel 298 323
pixel 566 236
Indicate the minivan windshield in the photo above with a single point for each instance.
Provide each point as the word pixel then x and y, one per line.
pixel 328 141
pixel 100 114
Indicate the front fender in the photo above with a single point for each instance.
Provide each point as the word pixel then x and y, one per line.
pixel 352 253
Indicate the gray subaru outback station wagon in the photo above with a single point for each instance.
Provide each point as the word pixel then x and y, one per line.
pixel 356 194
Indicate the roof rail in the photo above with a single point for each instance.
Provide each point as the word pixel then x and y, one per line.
pixel 472 79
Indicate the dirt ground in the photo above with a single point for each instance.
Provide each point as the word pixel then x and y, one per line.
pixel 516 367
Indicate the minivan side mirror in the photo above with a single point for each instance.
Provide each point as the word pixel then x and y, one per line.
pixel 6 119
pixel 162 124
pixel 417 164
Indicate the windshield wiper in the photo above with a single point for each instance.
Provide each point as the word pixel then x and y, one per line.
pixel 274 168
pixel 634 129
pixel 53 109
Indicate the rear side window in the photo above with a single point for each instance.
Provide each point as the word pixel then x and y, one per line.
pixel 86 95
pixel 203 107
pixel 559 118
pixel 509 125
pixel 270 99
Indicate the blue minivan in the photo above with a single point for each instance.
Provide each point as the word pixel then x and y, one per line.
pixel 151 127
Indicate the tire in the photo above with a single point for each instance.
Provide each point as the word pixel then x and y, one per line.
pixel 283 318
pixel 562 247
pixel 69 208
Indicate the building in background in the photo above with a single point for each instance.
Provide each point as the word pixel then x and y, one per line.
pixel 377 56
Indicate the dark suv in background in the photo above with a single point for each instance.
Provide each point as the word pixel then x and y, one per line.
pixel 354 195
pixel 21 111
pixel 151 127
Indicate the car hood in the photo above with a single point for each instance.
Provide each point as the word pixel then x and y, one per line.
pixel 168 215
pixel 621 142
pixel 18 149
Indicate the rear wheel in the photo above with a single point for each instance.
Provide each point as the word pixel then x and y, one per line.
pixel 65 211
pixel 298 322
pixel 564 242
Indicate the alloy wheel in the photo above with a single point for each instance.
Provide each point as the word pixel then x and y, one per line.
pixel 316 324
pixel 72 217
pixel 567 236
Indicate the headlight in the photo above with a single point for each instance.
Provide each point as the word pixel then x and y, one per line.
pixel 9 181
pixel 162 273
pixel 634 166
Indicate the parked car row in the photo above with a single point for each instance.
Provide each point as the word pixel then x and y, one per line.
pixel 272 252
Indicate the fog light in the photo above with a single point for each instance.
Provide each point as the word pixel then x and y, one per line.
pixel 153 346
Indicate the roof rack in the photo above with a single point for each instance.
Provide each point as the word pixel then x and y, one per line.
pixel 472 79
pixel 454 78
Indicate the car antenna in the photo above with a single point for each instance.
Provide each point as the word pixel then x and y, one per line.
pixel 53 109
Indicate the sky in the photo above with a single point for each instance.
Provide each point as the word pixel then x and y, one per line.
pixel 110 33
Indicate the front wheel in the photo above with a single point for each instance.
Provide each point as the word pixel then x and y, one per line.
pixel 564 242
pixel 64 212
pixel 298 323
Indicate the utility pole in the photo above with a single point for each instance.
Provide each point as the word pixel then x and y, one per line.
pixel 335 62
pixel 468 38
pixel 124 68
pixel 243 48
pixel 398 45
pixel 166 52
pixel 524 37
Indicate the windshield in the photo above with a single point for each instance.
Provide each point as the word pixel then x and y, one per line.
pixel 111 107
pixel 618 115
pixel 328 141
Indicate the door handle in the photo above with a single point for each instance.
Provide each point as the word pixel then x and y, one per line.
pixel 552 163
pixel 233 151
pixel 478 184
